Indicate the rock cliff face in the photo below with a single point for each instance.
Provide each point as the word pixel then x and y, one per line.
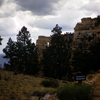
pixel 85 34
pixel 44 41
pixel 87 26
pixel 41 44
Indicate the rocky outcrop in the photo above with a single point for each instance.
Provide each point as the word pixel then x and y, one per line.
pixel 87 26
pixel 85 34
pixel 41 44
pixel 44 41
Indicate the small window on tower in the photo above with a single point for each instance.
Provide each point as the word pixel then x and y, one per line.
pixel 47 44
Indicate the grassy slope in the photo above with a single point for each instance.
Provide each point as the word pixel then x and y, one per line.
pixel 19 87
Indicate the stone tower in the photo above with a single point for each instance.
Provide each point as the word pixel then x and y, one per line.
pixel 41 44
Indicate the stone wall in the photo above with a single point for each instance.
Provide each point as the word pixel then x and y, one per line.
pixel 44 41
pixel 41 44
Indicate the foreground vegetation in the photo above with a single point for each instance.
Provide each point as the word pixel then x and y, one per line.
pixel 75 92
pixel 20 87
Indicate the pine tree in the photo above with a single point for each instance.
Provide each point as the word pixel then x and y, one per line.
pixel 86 61
pixel 22 38
pixel 27 52
pixel 22 54
pixel 82 61
pixel 1 40
pixel 23 35
pixel 9 51
pixel 32 59
pixel 55 60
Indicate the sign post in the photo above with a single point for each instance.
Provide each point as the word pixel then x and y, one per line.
pixel 79 77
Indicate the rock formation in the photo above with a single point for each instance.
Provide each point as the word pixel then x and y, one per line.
pixel 44 41
pixel 85 34
pixel 41 44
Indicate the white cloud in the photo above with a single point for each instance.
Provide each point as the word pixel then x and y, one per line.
pixel 41 16
pixel 7 26
pixel 8 9
pixel 92 7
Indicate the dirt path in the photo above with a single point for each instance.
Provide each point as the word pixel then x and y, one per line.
pixel 95 82
pixel 96 87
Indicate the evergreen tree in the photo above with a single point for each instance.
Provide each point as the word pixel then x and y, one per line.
pixel 9 51
pixel 22 54
pixel 86 61
pixel 27 53
pixel 19 63
pixel 23 35
pixel 55 59
pixel 95 55
pixel 22 38
pixel 81 61
pixel 32 59
pixel 1 40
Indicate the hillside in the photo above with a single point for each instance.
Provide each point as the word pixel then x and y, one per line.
pixel 94 80
pixel 20 87
pixel 25 87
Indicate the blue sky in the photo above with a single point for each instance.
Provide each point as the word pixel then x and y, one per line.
pixel 41 16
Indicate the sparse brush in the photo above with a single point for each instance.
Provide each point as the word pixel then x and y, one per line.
pixel 90 76
pixel 39 93
pixel 19 87
pixel 98 71
pixel 50 83
pixel 75 92
pixel 91 72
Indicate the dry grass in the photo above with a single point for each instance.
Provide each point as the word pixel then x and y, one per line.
pixel 96 87
pixel 19 87
pixel 94 80
pixel 22 87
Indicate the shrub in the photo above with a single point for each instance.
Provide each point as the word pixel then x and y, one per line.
pixel 74 92
pixel 90 76
pixel 98 71
pixel 50 83
pixel 39 93
pixel 0 77
pixel 91 72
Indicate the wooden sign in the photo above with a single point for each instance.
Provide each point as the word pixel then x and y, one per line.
pixel 80 77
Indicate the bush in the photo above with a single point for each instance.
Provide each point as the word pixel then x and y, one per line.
pixel 98 71
pixel 0 77
pixel 91 72
pixel 90 76
pixel 39 93
pixel 50 83
pixel 75 92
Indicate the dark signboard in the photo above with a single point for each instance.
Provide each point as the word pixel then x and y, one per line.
pixel 80 77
